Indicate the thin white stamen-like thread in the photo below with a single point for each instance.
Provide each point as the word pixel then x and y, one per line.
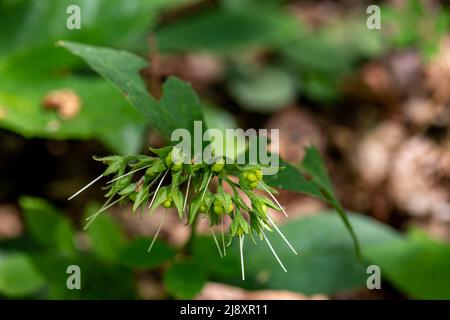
pixel 127 174
pixel 157 232
pixel 273 251
pixel 92 217
pixel 187 192
pixel 274 199
pixel 281 234
pixel 157 189
pixel 107 202
pixel 153 181
pixel 223 238
pixel 86 186
pixel 217 245
pixel 206 188
pixel 104 208
pixel 241 249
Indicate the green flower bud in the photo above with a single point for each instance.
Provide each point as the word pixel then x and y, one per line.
pixel 167 203
pixel 218 166
pixel 168 161
pixel 253 185
pixel 177 166
pixel 157 167
pixel 218 210
pixel 251 177
pixel 240 231
pixel 230 208
pixel 259 174
pixel 203 208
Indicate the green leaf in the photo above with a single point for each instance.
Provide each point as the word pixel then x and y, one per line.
pixel 141 196
pixel 251 4
pixel 105 22
pixel 289 178
pixel 106 237
pixel 178 200
pixel 29 31
pixel 30 46
pixel 223 31
pixel 325 263
pixel 179 106
pixel 218 118
pixel 418 265
pixel 99 279
pixel 22 105
pixel 160 197
pixel 47 225
pixel 194 207
pixel 315 168
pixel 136 255
pixel 41 219
pixel 18 276
pixel 184 280
pixel 319 184
pixel 313 164
pixel 263 89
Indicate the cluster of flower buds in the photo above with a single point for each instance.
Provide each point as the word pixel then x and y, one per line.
pixel 172 182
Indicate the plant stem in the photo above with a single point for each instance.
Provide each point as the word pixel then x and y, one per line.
pixel 187 249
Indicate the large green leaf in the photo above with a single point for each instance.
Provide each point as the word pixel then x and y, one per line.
pixel 135 254
pixel 178 108
pixel 119 23
pixel 262 89
pixel 99 279
pixel 23 112
pixel 31 65
pixel 47 225
pixel 416 265
pixel 106 237
pixel 289 178
pixel 225 31
pixel 184 280
pixel 18 276
pixel 325 263
pixel 319 184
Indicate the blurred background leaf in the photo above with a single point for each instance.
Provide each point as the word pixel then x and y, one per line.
pixel 262 89
pixel 18 276
pixel 184 280
pixel 47 225
pixel 326 262
pixel 106 237
pixel 224 31
pixel 178 108
pixel 31 66
pixel 416 265
pixel 136 255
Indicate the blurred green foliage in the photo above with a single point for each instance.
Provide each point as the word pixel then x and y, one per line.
pixel 184 280
pixel 31 65
pixel 303 61
pixel 415 25
pixel 34 266
pixel 415 264
pixel 178 108
pixel 274 58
